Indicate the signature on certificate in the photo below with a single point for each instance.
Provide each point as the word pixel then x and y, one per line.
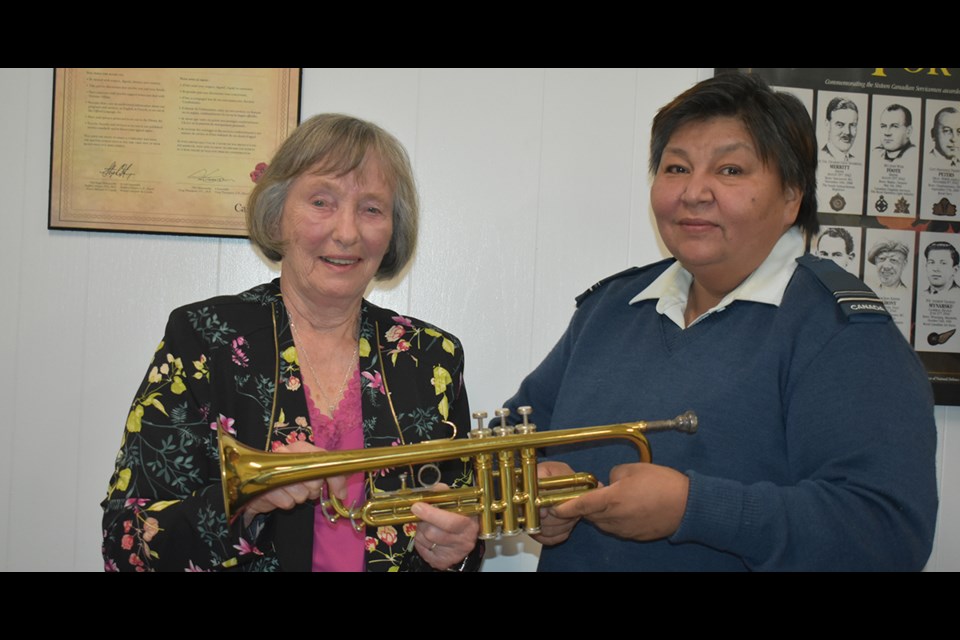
pixel 122 170
pixel 206 175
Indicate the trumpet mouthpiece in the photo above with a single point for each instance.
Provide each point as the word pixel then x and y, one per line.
pixel 687 422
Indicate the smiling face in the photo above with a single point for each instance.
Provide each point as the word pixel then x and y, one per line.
pixel 890 267
pixel 894 132
pixel 336 231
pixel 719 209
pixel 842 128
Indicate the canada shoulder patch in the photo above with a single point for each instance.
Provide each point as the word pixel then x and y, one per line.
pixel 857 301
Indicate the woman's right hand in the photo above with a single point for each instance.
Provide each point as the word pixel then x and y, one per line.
pixel 553 528
pixel 289 496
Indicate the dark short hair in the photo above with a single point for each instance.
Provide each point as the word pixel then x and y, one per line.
pixel 887 246
pixel 838 232
pixel 339 144
pixel 839 104
pixel 907 116
pixel 937 118
pixel 778 122
pixel 942 245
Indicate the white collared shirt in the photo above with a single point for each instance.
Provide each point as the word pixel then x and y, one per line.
pixel 765 285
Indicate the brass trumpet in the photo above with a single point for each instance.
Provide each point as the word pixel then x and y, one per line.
pixel 506 496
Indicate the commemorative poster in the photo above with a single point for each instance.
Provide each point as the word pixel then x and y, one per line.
pixel 888 185
pixel 173 150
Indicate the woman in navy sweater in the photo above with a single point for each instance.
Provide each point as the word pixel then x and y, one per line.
pixel 804 459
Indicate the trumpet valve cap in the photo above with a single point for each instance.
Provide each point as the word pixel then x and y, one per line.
pixel 479 416
pixel 525 412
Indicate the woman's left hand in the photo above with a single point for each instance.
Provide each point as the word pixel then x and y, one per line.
pixel 444 538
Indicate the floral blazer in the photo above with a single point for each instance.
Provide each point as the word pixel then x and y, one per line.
pixel 231 361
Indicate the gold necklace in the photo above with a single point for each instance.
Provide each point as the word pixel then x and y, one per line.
pixel 350 365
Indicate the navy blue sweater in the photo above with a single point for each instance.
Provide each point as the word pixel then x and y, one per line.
pixel 816 442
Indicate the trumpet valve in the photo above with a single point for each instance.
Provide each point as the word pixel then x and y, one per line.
pixel 527 426
pixel 479 416
pixel 528 475
pixel 504 431
pixel 479 431
pixel 509 516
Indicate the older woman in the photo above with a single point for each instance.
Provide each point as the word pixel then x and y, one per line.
pixel 299 364
pixel 799 462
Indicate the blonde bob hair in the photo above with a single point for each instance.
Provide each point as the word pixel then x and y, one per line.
pixel 336 144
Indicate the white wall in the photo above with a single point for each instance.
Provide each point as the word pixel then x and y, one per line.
pixel 534 186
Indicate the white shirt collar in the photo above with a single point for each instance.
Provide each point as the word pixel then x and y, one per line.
pixel 765 285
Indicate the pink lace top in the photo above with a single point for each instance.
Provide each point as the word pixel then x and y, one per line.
pixel 338 546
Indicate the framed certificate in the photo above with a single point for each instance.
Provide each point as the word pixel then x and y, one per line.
pixel 164 150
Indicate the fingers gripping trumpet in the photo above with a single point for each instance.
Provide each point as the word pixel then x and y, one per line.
pixel 507 495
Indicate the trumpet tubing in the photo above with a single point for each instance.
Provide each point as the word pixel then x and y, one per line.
pixel 506 496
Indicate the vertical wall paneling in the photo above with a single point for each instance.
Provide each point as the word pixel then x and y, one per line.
pixel 387 97
pixel 241 267
pixel 480 152
pixel 13 131
pixel 946 548
pixel 49 360
pixel 654 88
pixel 477 160
pixel 133 283
pixel 586 174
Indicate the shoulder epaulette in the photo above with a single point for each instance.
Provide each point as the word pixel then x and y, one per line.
pixel 622 274
pixel 857 301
